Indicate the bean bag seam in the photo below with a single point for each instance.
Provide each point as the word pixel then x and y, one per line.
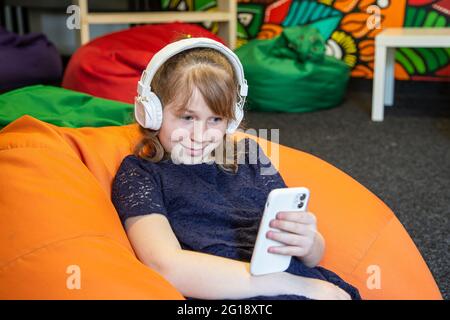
pixel 59 241
pixel 9 147
pixel 12 148
pixel 369 247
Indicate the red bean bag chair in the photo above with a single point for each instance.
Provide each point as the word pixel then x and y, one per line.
pixel 110 66
pixel 56 213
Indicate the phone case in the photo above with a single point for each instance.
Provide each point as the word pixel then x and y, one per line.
pixel 284 199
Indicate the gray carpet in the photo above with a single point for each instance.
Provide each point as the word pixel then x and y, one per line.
pixel 404 160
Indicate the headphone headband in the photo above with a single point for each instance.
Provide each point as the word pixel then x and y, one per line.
pixel 185 44
pixel 148 107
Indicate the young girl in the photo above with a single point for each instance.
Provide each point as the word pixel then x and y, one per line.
pixel 193 217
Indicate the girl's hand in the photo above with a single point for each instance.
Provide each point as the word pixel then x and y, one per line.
pixel 298 233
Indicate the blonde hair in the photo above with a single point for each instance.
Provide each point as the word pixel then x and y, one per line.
pixel 212 74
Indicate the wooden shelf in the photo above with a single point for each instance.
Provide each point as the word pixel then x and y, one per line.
pixel 156 17
pixel 226 16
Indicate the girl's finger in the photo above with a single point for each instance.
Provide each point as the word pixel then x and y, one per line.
pixel 287 250
pixel 300 217
pixel 293 227
pixel 290 239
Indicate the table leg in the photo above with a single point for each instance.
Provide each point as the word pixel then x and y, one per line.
pixel 390 77
pixel 378 83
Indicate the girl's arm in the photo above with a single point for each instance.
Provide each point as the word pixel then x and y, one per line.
pixel 195 274
pixel 205 276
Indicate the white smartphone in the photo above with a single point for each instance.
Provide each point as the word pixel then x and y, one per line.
pixel 283 199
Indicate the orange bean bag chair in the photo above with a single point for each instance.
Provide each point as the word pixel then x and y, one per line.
pixel 56 213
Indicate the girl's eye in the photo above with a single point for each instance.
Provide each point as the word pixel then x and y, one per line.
pixel 217 119
pixel 189 118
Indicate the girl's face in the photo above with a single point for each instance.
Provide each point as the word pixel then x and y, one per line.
pixel 191 136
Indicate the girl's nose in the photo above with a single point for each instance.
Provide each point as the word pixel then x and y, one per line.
pixel 197 132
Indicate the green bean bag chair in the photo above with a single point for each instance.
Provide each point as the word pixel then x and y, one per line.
pixel 292 73
pixel 63 107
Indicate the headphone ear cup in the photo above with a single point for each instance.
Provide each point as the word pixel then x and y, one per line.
pixel 234 124
pixel 155 109
pixel 139 111
pixel 148 111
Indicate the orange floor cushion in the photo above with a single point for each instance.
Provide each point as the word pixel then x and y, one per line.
pixel 56 213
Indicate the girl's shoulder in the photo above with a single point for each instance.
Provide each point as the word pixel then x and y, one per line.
pixel 251 153
pixel 134 166
pixel 132 160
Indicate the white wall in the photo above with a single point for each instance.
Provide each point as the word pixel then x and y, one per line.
pixel 49 17
pixel 53 25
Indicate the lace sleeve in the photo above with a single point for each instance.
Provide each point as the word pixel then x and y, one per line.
pixel 137 190
pixel 267 175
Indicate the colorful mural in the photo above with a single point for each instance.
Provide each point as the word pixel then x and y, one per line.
pixel 349 27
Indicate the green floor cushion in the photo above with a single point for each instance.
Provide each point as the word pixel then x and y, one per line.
pixel 292 73
pixel 63 107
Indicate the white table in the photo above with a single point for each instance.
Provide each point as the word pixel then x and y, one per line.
pixel 385 43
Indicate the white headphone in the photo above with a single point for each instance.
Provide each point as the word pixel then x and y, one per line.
pixel 148 107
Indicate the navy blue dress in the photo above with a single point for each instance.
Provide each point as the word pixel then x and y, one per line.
pixel 209 210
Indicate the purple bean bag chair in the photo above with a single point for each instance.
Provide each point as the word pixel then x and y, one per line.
pixel 27 59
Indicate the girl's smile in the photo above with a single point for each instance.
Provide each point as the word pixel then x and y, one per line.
pixel 194 152
pixel 192 135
